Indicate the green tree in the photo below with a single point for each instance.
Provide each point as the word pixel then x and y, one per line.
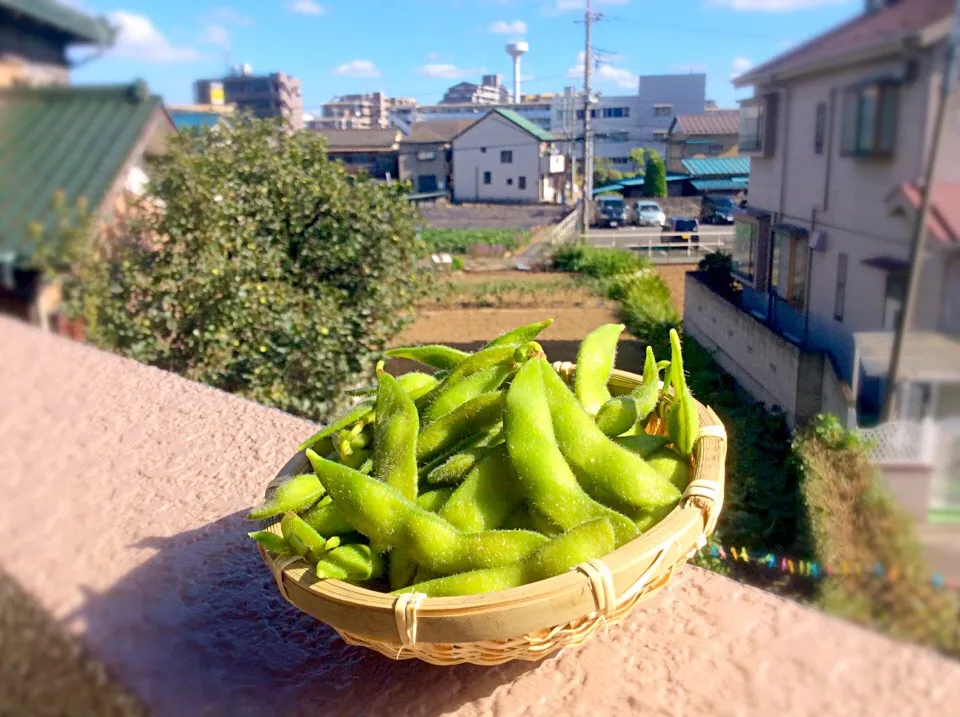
pixel 640 156
pixel 267 271
pixel 604 173
pixel 655 177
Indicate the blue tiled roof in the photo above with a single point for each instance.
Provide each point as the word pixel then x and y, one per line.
pixel 707 185
pixel 182 119
pixel 677 177
pixel 717 166
pixel 608 188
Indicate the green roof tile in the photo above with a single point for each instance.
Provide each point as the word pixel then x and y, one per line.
pixel 717 166
pixel 74 139
pixel 525 124
pixel 79 25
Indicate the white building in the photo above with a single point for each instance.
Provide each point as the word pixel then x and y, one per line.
pixel 506 158
pixel 405 117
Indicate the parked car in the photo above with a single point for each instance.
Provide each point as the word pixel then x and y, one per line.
pixel 648 214
pixel 717 209
pixel 682 229
pixel 611 211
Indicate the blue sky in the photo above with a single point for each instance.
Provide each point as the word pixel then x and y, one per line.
pixel 417 48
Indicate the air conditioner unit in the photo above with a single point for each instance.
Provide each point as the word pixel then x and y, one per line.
pixel 818 240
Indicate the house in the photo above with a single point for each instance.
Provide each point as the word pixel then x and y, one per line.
pixel 426 155
pixel 838 131
pixel 88 142
pixel 714 175
pixel 374 151
pixel 506 158
pixel 199 116
pixel 35 36
pixel 710 134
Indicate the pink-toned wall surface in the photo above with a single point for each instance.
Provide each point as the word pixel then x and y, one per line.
pixel 124 490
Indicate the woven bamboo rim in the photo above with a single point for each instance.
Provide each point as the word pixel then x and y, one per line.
pixel 529 622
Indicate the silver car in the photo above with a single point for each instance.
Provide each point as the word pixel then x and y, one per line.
pixel 648 214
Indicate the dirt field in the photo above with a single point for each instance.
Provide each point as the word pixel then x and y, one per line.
pixel 674 277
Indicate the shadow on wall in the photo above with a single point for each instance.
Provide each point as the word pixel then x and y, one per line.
pixel 200 628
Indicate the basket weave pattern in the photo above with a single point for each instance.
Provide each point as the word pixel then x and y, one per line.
pixel 642 567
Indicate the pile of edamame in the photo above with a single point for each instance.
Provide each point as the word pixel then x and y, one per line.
pixel 490 473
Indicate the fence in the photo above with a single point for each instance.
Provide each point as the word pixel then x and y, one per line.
pixel 902 442
pixel 664 247
pixel 564 231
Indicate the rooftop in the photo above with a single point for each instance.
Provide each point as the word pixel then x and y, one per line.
pixel 717 166
pixel 145 558
pixel 944 219
pixel 525 124
pixel 75 139
pixel 343 140
pixel 185 118
pixel 716 122
pixel 77 26
pixel 900 18
pixel 436 131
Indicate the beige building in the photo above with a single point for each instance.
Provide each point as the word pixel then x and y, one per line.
pixel 365 111
pixel 711 134
pixel 506 158
pixel 426 154
pixel 273 95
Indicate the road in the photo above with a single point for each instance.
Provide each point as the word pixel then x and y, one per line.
pixel 637 238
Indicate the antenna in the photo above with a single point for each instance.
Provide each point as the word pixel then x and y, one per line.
pixel 516 50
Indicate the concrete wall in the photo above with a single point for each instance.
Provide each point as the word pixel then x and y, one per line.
pixel 836 396
pixel 478 150
pixel 910 484
pixel 411 168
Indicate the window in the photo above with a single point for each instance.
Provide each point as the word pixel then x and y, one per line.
pixel 744 249
pixel 841 297
pixel 758 118
pixel 506 156
pixel 483 150
pixel 521 183
pixel 895 293
pixel 660 135
pixel 820 128
pixel 663 110
pixel 426 156
pixel 869 120
pixel 510 182
pixel 487 178
pixel 615 112
pixel 789 265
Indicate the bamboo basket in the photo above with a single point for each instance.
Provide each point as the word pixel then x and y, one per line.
pixel 529 622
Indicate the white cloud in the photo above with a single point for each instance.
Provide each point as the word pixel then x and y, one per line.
pixel 739 66
pixel 692 68
pixel 502 27
pixel 432 56
pixel 216 35
pixel 558 7
pixel 442 71
pixel 605 74
pixel 228 16
pixel 771 5
pixel 357 68
pixel 138 39
pixel 305 7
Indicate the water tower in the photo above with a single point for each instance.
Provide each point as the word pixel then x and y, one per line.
pixel 516 50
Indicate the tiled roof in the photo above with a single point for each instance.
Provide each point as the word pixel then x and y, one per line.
pixel 944 219
pixel 360 139
pixel 74 139
pixel 182 119
pixel 523 123
pixel 899 18
pixel 436 131
pixel 80 26
pixel 708 123
pixel 709 185
pixel 717 166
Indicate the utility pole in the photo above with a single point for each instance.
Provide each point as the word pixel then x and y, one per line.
pixel 920 223
pixel 588 18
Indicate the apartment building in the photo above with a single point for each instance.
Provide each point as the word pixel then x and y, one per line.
pixel 273 95
pixel 838 131
pixel 35 37
pixel 620 123
pixel 364 111
pixel 404 118
pixel 490 91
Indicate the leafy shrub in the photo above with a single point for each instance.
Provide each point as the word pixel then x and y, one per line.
pixel 460 241
pixel 716 270
pixel 269 273
pixel 597 263
pixel 457 263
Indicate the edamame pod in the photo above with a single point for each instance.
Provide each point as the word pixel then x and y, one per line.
pixel 475 363
pixel 542 524
pixel 326 519
pixel 297 532
pixel 683 425
pixel 355 414
pixel 388 519
pixel 455 468
pixel 519 519
pixel 458 394
pixel 434 500
pixel 587 541
pixel 545 478
pixel 298 493
pixel 481 412
pixel 520 335
pixel 353 562
pixel 643 444
pixel 594 363
pixel 395 437
pixel 617 416
pixel 271 541
pixel 487 496
pixel 647 394
pixel 414 384
pixel 671 467
pixel 433 355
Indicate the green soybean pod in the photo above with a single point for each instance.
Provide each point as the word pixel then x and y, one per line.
pixel 357 413
pixel 605 469
pixel 295 529
pixel 683 425
pixel 647 394
pixel 452 470
pixel 520 335
pixel 395 437
pixel 326 518
pixel 276 544
pixel 643 444
pixel 484 411
pixel 434 500
pixel 487 496
pixel 670 466
pixel 468 388
pixel 545 478
pixel 298 493
pixel 357 459
pixel 543 524
pixel 646 518
pixel 475 363
pixel 354 562
pixel 617 416
pixel 595 360
pixel 414 383
pixel 433 355
pixel 519 519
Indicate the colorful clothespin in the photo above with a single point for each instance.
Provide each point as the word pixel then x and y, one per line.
pixel 790 566
pixel 815 570
pixel 733 553
pixel 878 570
pixel 937 580
pixel 744 555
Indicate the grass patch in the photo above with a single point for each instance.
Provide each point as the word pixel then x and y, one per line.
pixel 509 293
pixel 461 241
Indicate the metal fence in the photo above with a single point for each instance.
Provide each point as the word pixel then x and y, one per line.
pixel 565 231
pixel 664 247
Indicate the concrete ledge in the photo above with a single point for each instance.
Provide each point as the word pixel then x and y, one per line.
pixel 124 491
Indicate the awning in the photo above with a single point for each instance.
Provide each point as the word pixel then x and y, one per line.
pixel 608 188
pixel 706 185
pixel 927 356
pixel 887 263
